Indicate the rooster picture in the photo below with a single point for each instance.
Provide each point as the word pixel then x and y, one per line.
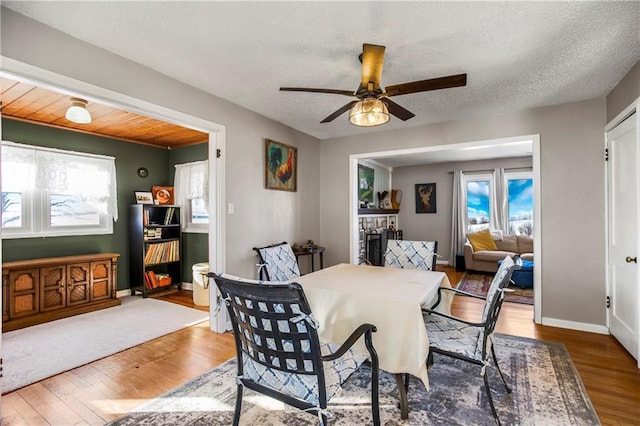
pixel 281 173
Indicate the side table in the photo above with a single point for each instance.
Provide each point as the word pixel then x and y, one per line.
pixel 312 252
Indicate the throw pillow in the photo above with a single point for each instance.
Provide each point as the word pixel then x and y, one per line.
pixel 482 240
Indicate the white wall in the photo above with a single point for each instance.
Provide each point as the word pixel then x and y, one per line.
pixel 437 226
pixel 625 92
pixel 572 198
pixel 261 216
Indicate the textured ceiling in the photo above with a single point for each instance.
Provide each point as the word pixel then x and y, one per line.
pixel 517 54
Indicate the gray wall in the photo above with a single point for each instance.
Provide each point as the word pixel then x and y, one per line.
pixel 437 226
pixel 626 92
pixel 261 216
pixel 572 198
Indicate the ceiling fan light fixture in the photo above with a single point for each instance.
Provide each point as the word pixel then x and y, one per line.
pixel 368 113
pixel 78 112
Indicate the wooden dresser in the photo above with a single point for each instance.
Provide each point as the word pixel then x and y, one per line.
pixel 40 290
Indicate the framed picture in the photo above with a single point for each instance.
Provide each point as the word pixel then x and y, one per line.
pixel 280 166
pixel 143 197
pixel 365 183
pixel 425 197
pixel 386 203
pixel 163 194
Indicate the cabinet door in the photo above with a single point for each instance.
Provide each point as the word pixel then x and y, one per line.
pixel 5 295
pixel 24 292
pixel 101 280
pixel 78 284
pixel 53 287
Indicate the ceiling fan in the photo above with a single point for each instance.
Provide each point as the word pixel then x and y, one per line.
pixel 374 106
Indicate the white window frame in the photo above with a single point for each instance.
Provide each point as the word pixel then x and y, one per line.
pixel 185 201
pixel 476 177
pixel 36 209
pixel 517 175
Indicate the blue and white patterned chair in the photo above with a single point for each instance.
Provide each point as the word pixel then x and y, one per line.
pixel 278 350
pixel 411 254
pixel 472 341
pixel 277 262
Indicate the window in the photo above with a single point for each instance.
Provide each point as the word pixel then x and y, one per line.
pixel 520 203
pixel 478 192
pixel 50 192
pixel 513 202
pixel 191 191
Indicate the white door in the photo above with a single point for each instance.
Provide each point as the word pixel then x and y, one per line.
pixel 623 175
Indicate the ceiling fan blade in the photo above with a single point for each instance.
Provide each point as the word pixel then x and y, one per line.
pixel 395 109
pixel 305 89
pixel 339 112
pixel 372 61
pixel 426 85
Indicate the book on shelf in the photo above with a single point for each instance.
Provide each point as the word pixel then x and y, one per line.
pixel 168 215
pixel 168 251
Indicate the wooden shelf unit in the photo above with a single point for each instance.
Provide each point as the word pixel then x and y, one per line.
pixel 154 247
pixel 35 291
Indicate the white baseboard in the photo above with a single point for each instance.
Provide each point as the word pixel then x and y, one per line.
pixel 123 293
pixel 127 292
pixel 442 262
pixel 572 325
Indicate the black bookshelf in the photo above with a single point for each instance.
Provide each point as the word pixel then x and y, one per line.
pixel 155 248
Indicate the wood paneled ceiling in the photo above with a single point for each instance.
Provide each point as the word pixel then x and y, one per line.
pixel 25 102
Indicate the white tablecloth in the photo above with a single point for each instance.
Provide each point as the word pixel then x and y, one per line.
pixel 345 296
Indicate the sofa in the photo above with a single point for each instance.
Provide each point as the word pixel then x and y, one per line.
pixel 485 259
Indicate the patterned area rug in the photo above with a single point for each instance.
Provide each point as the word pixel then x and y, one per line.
pixel 479 284
pixel 547 390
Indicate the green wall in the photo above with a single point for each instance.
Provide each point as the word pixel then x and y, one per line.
pixel 195 246
pixel 129 157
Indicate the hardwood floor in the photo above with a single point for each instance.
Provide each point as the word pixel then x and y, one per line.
pixel 105 389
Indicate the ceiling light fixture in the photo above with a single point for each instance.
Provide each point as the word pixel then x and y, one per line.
pixel 368 112
pixel 78 112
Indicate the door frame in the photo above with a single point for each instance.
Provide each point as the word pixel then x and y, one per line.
pixel 537 182
pixel 624 114
pixel 14 69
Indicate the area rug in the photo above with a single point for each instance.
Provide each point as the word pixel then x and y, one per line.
pixel 40 351
pixel 479 284
pixel 547 390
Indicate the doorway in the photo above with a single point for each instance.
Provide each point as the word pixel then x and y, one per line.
pixel 468 148
pixel 216 143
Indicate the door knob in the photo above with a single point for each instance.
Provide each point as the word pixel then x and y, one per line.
pixel 630 259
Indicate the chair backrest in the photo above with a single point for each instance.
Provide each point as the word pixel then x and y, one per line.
pixel 495 297
pixel 411 254
pixel 277 262
pixel 274 328
pixel 271 324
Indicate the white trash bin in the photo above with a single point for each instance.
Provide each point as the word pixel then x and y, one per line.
pixel 200 284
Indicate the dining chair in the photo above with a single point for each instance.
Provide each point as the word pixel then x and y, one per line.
pixel 408 254
pixel 278 350
pixel 277 262
pixel 467 340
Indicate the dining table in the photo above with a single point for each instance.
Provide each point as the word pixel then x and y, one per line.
pixel 344 296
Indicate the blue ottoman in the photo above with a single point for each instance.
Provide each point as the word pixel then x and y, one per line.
pixel 523 277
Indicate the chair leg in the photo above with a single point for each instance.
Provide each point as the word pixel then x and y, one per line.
pixel 490 398
pixel 375 393
pixel 236 413
pixel 495 361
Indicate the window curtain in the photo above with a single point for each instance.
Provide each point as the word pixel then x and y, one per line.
pixel 192 181
pixel 498 202
pixel 458 215
pixel 62 172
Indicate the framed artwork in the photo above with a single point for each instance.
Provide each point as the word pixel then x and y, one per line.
pixel 143 197
pixel 425 197
pixel 163 194
pixel 365 183
pixel 280 166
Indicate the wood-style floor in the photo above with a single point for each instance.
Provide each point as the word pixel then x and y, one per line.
pixel 105 389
